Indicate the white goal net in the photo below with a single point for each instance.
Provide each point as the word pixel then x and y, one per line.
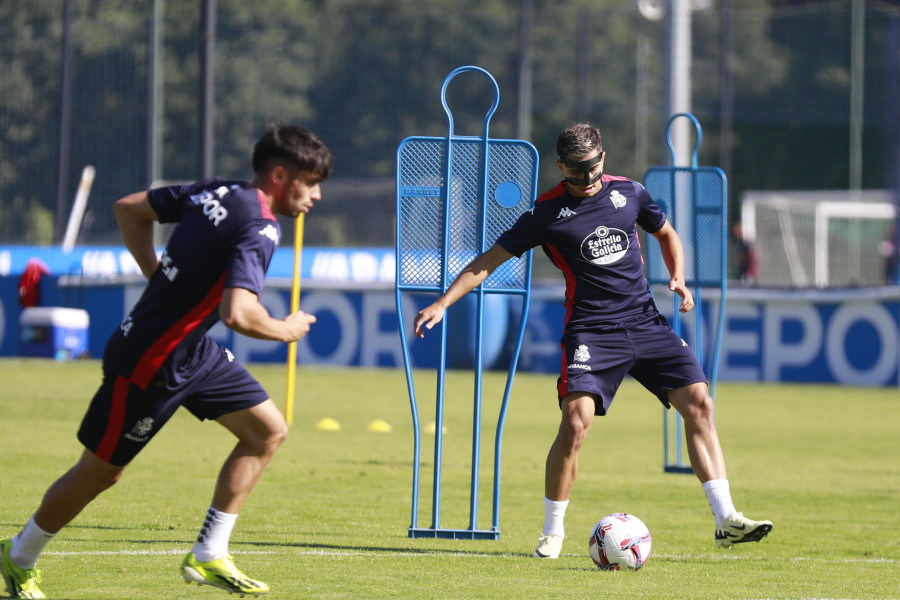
pixel 822 239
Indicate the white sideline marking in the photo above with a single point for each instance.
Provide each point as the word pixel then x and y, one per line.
pixel 439 554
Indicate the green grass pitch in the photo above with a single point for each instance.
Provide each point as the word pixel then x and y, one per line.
pixel 330 517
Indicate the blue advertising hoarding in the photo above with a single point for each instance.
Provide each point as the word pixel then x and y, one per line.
pixel 846 337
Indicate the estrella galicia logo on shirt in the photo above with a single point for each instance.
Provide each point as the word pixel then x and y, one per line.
pixel 604 245
pixel 270 232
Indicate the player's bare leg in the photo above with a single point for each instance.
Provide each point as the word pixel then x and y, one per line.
pixel 62 502
pixel 72 492
pixel 562 460
pixel 562 469
pixel 697 409
pixel 260 431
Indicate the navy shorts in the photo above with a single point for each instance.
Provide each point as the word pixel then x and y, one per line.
pixel 596 361
pixel 122 417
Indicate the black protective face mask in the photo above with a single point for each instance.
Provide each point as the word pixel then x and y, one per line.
pixel 585 167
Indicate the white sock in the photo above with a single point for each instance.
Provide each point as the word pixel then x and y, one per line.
pixel 554 514
pixel 719 495
pixel 28 545
pixel 212 543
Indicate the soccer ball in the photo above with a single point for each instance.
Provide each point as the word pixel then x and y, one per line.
pixel 620 541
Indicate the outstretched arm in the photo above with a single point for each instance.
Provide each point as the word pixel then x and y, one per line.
pixel 673 255
pixel 135 217
pixel 241 311
pixel 471 277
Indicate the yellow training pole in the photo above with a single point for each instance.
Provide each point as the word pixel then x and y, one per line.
pixel 295 306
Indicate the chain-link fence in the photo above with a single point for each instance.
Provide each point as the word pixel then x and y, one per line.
pixel 791 95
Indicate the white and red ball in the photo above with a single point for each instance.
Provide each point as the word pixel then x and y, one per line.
pixel 620 541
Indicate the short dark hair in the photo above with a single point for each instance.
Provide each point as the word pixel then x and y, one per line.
pixel 298 147
pixel 578 140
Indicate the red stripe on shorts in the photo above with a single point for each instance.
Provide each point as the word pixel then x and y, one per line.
pixel 116 420
pixel 562 386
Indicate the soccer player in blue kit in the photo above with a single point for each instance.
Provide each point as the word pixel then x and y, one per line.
pixel 161 357
pixel 586 225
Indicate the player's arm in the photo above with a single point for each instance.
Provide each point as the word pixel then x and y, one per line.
pixel 471 277
pixel 241 311
pixel 135 217
pixel 673 255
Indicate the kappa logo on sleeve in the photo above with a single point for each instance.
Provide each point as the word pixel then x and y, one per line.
pixel 270 232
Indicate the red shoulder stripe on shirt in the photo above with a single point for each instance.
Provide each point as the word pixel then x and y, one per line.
pixel 606 177
pixel 264 206
pixel 559 189
pixel 157 353
pixel 554 192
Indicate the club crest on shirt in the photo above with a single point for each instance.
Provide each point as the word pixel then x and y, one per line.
pixel 617 199
pixel 605 245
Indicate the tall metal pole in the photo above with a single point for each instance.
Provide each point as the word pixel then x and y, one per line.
pixel 208 90
pixel 857 78
pixel 65 122
pixel 726 86
pixel 680 77
pixel 154 93
pixel 857 81
pixel 652 10
pixel 523 125
pixel 892 125
pixel 583 36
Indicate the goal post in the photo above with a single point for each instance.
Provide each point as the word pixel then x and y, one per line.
pixel 821 239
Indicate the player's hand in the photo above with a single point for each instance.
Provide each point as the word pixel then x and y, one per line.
pixel 687 298
pixel 299 323
pixel 426 319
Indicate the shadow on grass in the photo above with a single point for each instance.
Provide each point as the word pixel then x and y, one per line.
pixel 18 527
pixel 174 543
pixel 380 549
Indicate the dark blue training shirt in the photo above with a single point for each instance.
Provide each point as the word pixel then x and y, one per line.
pixel 594 242
pixel 226 236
